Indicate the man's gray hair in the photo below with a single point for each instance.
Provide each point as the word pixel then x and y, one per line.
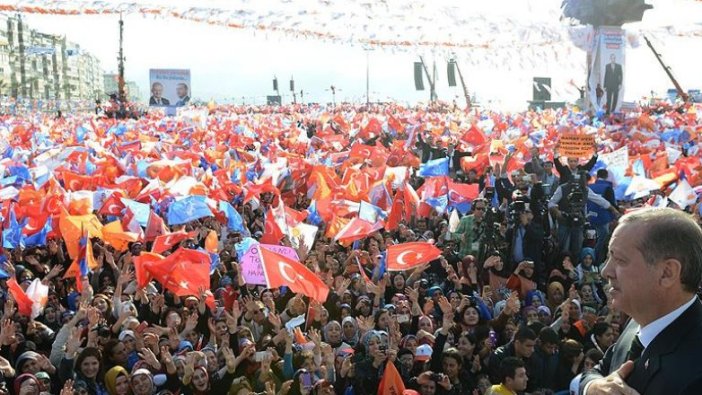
pixel 670 234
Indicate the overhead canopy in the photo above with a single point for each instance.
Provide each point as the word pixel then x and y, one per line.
pixel 445 24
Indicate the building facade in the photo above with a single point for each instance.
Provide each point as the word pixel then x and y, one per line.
pixel 45 67
pixel 131 87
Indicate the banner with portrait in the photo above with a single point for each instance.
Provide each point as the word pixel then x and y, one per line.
pixel 606 64
pixel 169 87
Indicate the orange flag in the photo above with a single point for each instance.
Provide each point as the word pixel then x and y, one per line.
pixel 24 304
pixel 114 235
pixel 391 383
pixel 211 242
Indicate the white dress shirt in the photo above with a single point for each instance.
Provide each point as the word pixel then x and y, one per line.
pixel 650 331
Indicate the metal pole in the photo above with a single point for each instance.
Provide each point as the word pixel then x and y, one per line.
pixel 367 77
pixel 120 81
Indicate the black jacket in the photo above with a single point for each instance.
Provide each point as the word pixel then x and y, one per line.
pixel 669 365
pixel 532 367
pixel 564 171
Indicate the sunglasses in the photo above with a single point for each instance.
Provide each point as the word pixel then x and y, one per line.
pixel 479 209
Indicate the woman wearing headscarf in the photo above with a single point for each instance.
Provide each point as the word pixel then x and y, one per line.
pixel 197 381
pixel 349 331
pixel 27 384
pixel 332 334
pixel 555 295
pixel 117 381
pixel 369 370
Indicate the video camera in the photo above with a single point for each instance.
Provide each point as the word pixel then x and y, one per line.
pixel 577 199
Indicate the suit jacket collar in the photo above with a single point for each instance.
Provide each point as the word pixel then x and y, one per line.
pixel 665 343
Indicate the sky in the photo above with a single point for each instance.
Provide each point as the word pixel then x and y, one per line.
pixel 238 65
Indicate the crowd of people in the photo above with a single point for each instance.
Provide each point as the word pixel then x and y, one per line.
pixel 515 302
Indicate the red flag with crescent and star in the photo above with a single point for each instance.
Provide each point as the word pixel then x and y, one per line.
pixel 409 255
pixel 280 270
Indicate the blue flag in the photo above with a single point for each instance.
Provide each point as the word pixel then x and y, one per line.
pixel 313 216
pixel 141 210
pixel 440 204
pixel 434 168
pixel 370 213
pixel 234 221
pixel 12 236
pixel 244 246
pixel 188 209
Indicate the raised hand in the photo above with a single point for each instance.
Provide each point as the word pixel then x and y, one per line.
pixel 191 322
pixel 513 305
pixel 67 388
pixel 7 332
pixel 150 358
pixel 445 305
pixel 275 320
pixel 412 294
pixel 315 336
pixel 73 342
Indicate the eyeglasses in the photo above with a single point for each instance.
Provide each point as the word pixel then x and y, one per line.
pixel 478 208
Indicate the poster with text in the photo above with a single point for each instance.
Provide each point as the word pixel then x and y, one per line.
pixel 169 87
pixel 607 68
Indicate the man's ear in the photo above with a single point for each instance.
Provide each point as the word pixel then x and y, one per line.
pixel 670 273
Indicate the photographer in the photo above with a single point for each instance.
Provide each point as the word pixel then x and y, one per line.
pixel 568 207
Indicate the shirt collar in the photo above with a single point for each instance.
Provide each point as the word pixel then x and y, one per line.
pixel 650 331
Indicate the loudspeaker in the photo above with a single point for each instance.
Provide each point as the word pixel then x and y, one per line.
pixel 292 85
pixel 542 89
pixel 275 84
pixel 451 73
pixel 273 100
pixel 418 80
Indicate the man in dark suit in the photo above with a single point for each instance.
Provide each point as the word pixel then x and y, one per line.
pixel 654 269
pixel 156 95
pixel 182 92
pixel 613 82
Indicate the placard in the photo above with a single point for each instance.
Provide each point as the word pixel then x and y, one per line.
pixel 576 145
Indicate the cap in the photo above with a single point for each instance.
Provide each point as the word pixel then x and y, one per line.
pixel 184 344
pixel 123 335
pixel 423 353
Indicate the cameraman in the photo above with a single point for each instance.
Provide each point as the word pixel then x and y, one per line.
pixel 568 207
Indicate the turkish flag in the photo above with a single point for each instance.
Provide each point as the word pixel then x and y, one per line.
pixel 391 383
pixel 408 255
pixel 24 304
pixel 356 229
pixel 35 222
pixel 166 242
pixel 140 263
pixel 281 270
pixel 273 233
pixel 77 182
pixel 184 272
pixel 154 227
pixel 474 136
pixel 395 215
pixel 112 206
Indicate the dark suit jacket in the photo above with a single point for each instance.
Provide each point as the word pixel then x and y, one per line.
pixel 670 365
pixel 564 171
pixel 613 78
pixel 164 101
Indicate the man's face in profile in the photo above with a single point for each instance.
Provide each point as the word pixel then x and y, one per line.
pixel 181 90
pixel 157 90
